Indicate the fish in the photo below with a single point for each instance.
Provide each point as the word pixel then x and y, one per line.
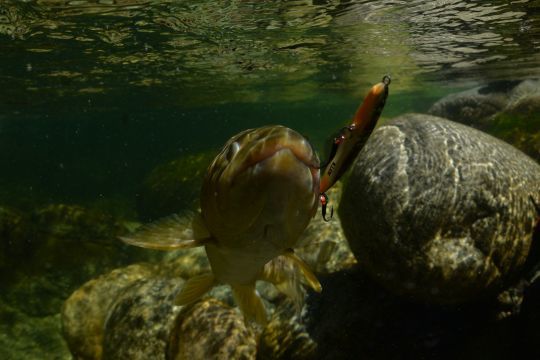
pixel 353 137
pixel 257 197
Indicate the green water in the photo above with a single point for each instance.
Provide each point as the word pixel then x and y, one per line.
pixel 96 94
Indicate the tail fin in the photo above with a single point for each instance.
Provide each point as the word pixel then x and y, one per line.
pixel 250 303
pixel 286 272
pixel 194 288
pixel 285 276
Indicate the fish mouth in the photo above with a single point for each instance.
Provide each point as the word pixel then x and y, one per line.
pixel 279 146
pixel 282 155
pixel 283 162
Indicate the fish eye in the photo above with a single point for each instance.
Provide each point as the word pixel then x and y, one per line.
pixel 232 150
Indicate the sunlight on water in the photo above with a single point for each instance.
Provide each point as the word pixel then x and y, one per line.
pixel 260 51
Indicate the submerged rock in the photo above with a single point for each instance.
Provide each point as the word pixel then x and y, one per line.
pixel 211 329
pixel 45 255
pixel 472 107
pixel 28 337
pixel 139 323
pixel 84 313
pixel 355 318
pixel 440 211
pixel 185 263
pixel 519 122
pixel 12 239
pixel 509 110
pixel 173 186
pixel 68 235
pixel 129 313
pixel 286 337
pixel 54 250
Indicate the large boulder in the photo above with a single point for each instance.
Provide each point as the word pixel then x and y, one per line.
pixel 509 110
pixel 139 323
pixel 211 329
pixel 473 107
pixel 519 122
pixel 85 312
pixel 439 211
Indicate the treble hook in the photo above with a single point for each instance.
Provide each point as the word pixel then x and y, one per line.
pixel 335 144
pixel 324 201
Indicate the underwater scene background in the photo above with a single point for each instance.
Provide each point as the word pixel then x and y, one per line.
pixel 112 110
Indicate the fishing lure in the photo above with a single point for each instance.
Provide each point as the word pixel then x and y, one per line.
pixel 352 139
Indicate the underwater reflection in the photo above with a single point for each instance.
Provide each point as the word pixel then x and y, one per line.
pixel 284 50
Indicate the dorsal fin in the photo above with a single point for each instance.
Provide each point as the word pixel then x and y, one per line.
pixel 171 233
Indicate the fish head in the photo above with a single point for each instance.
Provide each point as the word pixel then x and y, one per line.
pixel 263 180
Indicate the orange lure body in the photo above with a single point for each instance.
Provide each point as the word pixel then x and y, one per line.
pixel 353 138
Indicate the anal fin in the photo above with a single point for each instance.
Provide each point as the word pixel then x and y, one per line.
pixel 194 288
pixel 250 303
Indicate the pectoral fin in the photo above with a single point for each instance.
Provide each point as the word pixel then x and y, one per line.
pixel 194 288
pixel 171 233
pixel 250 303
pixel 309 276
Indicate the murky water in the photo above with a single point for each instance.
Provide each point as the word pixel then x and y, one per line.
pixel 96 94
